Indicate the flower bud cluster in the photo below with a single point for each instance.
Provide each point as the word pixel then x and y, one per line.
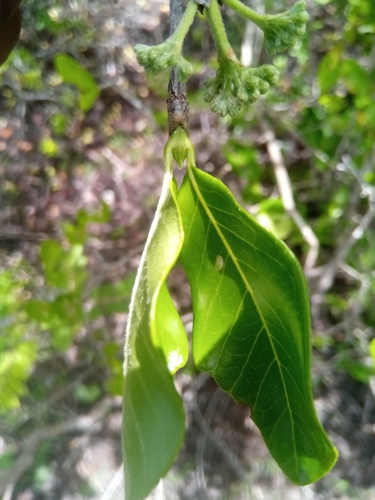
pixel 164 56
pixel 282 30
pixel 235 87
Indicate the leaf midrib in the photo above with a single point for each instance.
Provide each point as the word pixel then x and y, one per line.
pixel 249 289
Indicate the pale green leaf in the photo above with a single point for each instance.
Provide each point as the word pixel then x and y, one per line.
pixel 173 337
pixel 15 366
pixel 372 350
pixel 153 419
pixel 252 323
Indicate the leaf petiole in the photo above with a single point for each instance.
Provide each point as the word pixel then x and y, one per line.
pixel 244 10
pixel 180 148
pixel 218 31
pixel 281 31
pixel 186 22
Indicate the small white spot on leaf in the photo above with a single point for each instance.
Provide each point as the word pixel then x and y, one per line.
pixel 219 263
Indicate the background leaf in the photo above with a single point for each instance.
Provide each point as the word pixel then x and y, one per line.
pixel 355 77
pixel 252 323
pixel 154 420
pixel 329 71
pixel 15 365
pixel 72 72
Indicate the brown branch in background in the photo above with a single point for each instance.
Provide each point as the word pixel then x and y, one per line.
pixel 207 434
pixel 178 105
pixel 286 193
pixel 328 272
pixel 83 424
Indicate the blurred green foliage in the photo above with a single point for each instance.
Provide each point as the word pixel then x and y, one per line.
pixel 33 329
pixel 72 72
pixel 18 351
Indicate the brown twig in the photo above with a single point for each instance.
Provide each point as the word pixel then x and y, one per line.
pixel 10 232
pixel 178 105
pixel 329 271
pixel 286 193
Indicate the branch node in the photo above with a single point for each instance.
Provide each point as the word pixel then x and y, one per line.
pixel 178 105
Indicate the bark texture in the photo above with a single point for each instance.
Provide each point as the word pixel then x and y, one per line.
pixel 178 105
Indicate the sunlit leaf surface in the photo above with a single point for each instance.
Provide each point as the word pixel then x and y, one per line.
pixel 252 323
pixel 153 416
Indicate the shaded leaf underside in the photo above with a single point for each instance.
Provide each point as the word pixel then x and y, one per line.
pixel 153 415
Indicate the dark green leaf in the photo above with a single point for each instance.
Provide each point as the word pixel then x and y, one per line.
pixel 252 323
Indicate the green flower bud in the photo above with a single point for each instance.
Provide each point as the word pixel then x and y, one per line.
pixel 242 94
pixel 268 73
pixel 235 87
pixel 282 30
pixel 184 69
pixel 263 86
pixel 162 57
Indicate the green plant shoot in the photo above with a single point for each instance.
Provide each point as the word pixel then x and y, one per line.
pixel 251 310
